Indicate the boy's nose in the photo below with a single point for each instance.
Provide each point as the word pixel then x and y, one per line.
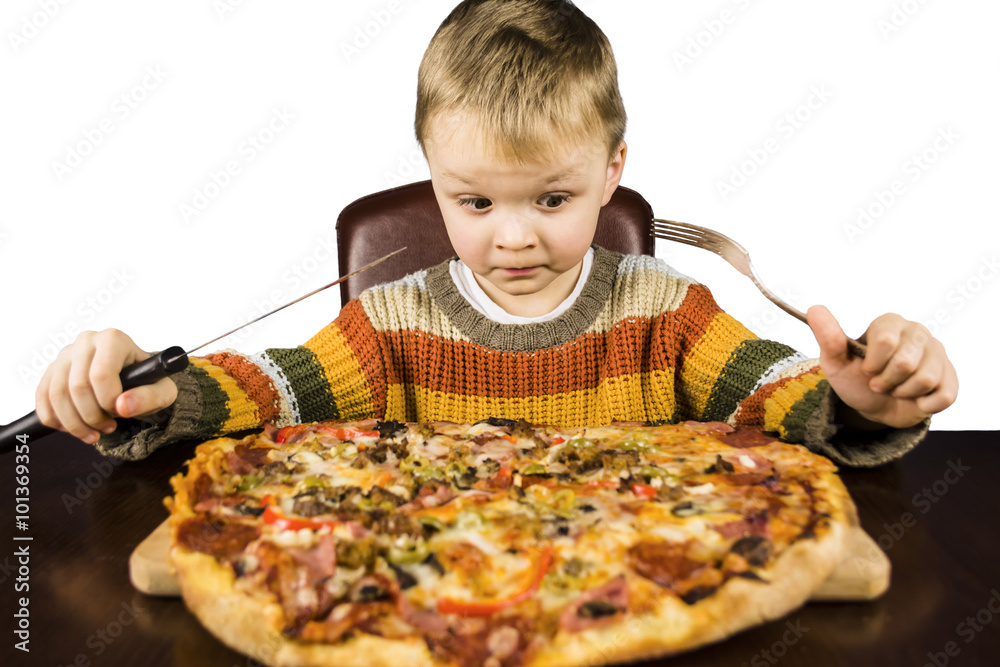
pixel 515 233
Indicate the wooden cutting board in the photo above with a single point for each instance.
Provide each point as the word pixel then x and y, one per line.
pixel 862 575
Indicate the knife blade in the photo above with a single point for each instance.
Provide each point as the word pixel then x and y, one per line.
pixel 156 367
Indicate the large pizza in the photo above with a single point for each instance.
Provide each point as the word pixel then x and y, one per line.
pixel 499 543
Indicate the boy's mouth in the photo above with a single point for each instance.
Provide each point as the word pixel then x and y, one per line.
pixel 521 272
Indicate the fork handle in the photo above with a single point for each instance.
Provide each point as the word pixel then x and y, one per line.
pixel 855 347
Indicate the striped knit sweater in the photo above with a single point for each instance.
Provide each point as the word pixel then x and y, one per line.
pixel 641 343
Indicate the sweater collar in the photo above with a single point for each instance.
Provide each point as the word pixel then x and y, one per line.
pixel 526 337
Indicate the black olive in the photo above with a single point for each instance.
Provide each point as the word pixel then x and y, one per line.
pixel 563 530
pixel 249 511
pixel 497 421
pixel 587 508
pixel 406 580
pixel 372 593
pixel 467 479
pixel 720 466
pixel 597 609
pixel 755 549
pixel 684 509
pixel 698 593
pixel 433 561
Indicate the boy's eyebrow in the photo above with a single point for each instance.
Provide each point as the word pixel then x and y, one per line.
pixel 454 177
pixel 561 176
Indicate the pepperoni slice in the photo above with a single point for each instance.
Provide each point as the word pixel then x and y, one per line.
pixel 665 563
pixel 217 538
pixel 746 436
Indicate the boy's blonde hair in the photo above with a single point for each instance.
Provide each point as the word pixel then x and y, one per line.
pixel 535 75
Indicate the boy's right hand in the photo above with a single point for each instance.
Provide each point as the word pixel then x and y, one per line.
pixel 81 393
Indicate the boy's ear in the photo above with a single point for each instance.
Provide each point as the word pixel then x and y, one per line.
pixel 615 169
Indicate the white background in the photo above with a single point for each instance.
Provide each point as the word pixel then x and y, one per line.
pixel 107 227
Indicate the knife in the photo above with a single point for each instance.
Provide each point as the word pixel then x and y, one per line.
pixel 155 368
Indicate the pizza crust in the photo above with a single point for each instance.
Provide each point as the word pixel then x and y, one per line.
pixel 241 622
pixel 676 627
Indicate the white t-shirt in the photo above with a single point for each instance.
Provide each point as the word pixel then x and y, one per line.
pixel 470 290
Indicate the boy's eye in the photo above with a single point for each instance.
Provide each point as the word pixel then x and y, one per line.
pixel 553 200
pixel 477 203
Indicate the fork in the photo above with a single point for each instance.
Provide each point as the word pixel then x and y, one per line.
pixel 737 256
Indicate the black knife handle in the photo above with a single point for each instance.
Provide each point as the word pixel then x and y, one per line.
pixel 155 368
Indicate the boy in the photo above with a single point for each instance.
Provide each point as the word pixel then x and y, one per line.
pixel 521 121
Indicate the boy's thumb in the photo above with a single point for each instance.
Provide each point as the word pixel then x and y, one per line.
pixel 831 338
pixel 147 399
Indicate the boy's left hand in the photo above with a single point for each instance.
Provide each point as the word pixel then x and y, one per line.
pixel 904 378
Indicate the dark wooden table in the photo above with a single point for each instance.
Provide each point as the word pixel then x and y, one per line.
pixel 935 512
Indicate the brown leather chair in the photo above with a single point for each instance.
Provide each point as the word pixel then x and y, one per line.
pixel 409 215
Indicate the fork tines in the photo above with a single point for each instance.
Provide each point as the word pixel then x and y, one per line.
pixel 681 232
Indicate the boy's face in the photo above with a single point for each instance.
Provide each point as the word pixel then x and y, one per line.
pixel 522 229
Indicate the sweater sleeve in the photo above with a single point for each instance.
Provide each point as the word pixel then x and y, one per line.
pixel 726 373
pixel 337 374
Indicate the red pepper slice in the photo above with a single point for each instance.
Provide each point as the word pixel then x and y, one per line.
pixel 346 433
pixel 644 490
pixel 286 432
pixel 274 517
pixel 558 440
pixel 339 432
pixel 486 608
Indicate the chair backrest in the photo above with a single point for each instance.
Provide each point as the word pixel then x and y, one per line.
pixel 409 215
